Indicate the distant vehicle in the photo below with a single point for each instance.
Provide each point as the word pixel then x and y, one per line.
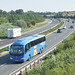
pixel 68 19
pixel 15 32
pixel 25 48
pixel 64 27
pixel 71 26
pixel 72 21
pixel 59 30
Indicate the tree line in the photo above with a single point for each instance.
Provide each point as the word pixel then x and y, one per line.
pixel 64 14
pixel 20 18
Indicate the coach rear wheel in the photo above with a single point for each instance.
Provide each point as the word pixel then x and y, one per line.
pixel 40 51
pixel 29 58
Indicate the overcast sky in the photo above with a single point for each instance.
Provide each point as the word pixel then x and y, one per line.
pixel 38 5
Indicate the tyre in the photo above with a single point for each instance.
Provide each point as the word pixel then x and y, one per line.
pixel 29 58
pixel 40 51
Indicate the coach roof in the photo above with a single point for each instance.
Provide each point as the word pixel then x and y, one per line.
pixel 27 39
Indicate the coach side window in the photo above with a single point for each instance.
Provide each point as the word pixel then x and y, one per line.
pixel 35 42
pixel 32 43
pixel 40 40
pixel 27 47
pixel 43 39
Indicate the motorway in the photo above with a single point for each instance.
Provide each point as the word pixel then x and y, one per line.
pixel 6 42
pixel 6 66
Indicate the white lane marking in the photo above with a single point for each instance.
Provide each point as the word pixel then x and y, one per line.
pixel 3 64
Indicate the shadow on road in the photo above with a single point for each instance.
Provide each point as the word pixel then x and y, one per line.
pixel 6 60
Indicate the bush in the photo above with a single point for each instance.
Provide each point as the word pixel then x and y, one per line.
pixel 68 44
pixel 33 23
pixel 21 23
pixel 4 27
pixel 28 25
pixel 3 20
pixel 61 64
pixel 42 70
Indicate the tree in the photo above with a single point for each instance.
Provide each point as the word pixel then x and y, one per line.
pixel 33 23
pixel 45 16
pixel 30 12
pixel 12 12
pixel 12 19
pixel 19 11
pixel 66 16
pixel 59 15
pixel 1 11
pixel 28 24
pixel 21 23
pixel 3 20
pixel 4 12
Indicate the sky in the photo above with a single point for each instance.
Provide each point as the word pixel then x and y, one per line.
pixel 38 5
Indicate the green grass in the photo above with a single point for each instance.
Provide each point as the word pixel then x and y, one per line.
pixel 3 36
pixel 4 49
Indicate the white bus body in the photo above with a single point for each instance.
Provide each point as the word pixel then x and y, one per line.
pixel 15 32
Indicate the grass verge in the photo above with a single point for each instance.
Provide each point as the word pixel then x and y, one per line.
pixel 4 49
pixel 3 36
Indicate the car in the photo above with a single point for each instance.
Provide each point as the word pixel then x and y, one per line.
pixel 64 27
pixel 72 21
pixel 68 20
pixel 71 26
pixel 59 30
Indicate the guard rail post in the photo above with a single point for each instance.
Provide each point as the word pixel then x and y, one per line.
pixel 34 63
pixel 30 66
pixel 20 72
pixel 40 59
pixel 38 62
pixel 25 69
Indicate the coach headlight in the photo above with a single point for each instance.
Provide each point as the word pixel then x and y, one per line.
pixel 11 58
pixel 22 58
